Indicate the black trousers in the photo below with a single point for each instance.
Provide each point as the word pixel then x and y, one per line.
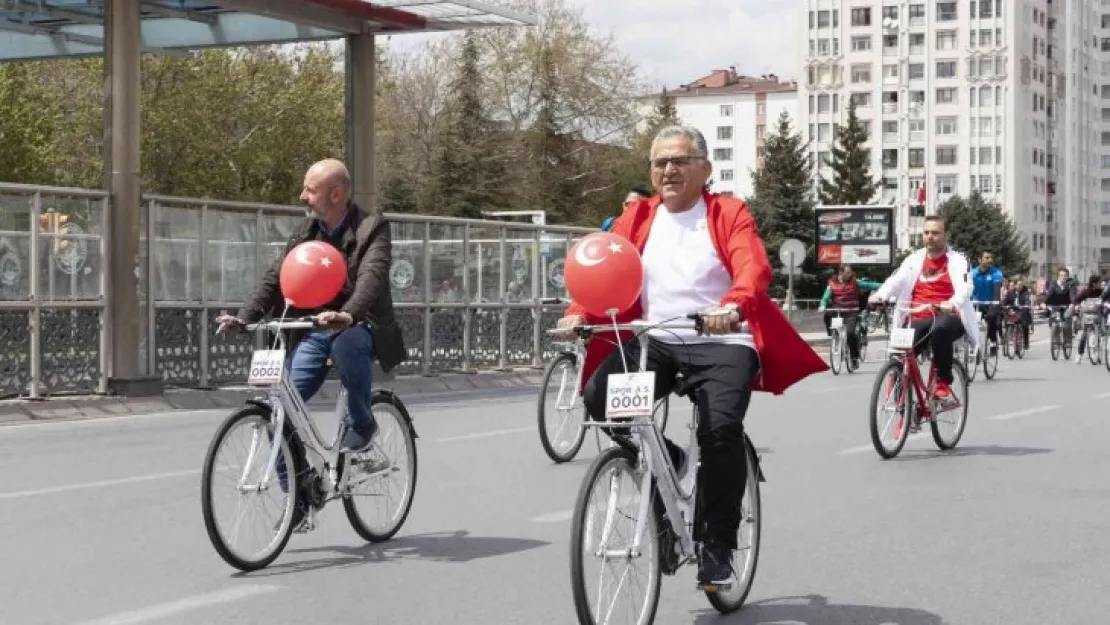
pixel 720 379
pixel 942 330
pixel 992 315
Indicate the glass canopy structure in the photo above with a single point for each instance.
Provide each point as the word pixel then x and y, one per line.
pixel 42 29
pixel 122 30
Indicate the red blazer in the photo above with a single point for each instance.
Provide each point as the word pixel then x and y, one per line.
pixel 785 358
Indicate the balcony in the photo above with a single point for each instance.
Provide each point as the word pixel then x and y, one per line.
pixel 890 108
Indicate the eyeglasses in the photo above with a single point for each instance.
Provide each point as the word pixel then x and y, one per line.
pixel 677 161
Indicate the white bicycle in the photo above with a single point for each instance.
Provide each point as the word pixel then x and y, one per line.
pixel 320 472
pixel 655 525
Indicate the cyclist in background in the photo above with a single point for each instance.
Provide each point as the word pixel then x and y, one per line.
pixel 1020 297
pixel 635 196
pixel 1093 290
pixel 986 280
pixel 844 291
pixel 1059 295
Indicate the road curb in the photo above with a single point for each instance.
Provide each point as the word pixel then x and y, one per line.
pixel 80 407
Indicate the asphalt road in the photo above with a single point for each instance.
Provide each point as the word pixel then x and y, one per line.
pixel 100 521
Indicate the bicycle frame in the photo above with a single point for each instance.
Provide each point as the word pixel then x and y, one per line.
pixel 285 402
pixel 911 371
pixel 677 492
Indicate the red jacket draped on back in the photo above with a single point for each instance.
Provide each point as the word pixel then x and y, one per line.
pixel 784 356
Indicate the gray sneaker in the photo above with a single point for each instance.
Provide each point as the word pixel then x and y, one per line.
pixel 357 442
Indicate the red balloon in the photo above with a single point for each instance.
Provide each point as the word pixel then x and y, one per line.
pixel 604 273
pixel 312 274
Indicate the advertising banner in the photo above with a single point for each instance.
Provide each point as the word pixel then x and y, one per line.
pixel 855 235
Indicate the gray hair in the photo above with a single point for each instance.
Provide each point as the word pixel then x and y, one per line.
pixel 697 140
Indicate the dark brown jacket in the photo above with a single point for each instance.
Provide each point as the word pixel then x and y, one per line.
pixel 367 245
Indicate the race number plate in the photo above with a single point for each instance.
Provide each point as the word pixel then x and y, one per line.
pixel 630 395
pixel 266 366
pixel 901 338
pixel 836 323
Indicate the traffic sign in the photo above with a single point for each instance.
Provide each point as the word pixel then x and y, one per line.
pixel 792 253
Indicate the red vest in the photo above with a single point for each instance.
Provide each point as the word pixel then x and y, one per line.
pixel 844 294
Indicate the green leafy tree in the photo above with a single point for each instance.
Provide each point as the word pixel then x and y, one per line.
pixel 850 163
pixel 975 224
pixel 28 125
pixel 782 204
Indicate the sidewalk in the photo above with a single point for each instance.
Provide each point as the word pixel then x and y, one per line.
pixel 77 407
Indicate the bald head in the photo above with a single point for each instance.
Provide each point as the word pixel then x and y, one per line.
pixel 327 187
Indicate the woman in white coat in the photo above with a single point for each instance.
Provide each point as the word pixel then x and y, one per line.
pixel 935 275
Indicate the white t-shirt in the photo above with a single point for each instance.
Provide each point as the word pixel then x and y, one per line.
pixel 683 274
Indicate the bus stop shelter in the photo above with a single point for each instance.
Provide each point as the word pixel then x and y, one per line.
pixel 122 30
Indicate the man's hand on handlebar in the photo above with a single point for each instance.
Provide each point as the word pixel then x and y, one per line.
pixel 228 322
pixel 334 320
pixel 566 324
pixel 719 320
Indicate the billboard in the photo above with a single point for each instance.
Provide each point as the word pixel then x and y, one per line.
pixel 856 235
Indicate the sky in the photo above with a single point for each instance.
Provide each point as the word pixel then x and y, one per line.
pixel 677 41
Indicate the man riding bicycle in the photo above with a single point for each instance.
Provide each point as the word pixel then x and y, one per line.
pixel 359 323
pixel 1093 290
pixel 843 290
pixel 936 275
pixel 986 280
pixel 701 251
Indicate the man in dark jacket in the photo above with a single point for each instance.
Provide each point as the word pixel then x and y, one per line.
pixel 359 324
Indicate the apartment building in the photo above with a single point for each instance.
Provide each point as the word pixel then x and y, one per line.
pixel 994 95
pixel 734 112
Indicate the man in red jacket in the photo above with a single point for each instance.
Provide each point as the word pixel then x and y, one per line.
pixel 701 252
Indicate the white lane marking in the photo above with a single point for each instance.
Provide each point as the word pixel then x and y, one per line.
pixel 470 437
pixel 1022 413
pixel 186 604
pixel 103 483
pixel 554 517
pixel 1100 396
pixel 856 450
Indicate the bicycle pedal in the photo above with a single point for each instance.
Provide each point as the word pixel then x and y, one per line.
pixel 714 587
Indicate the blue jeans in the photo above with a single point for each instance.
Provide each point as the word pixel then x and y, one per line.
pixel 352 351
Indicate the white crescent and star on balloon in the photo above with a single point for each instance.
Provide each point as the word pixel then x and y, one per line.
pixel 584 253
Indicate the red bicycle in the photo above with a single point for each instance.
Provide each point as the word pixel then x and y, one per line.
pixel 908 400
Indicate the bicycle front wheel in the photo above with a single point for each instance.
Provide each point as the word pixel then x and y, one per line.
pixel 381 483
pixel 746 556
pixel 834 352
pixel 262 505
pixel 891 409
pixel 603 552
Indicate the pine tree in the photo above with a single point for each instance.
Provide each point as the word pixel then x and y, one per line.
pixel 850 162
pixel 975 225
pixel 783 204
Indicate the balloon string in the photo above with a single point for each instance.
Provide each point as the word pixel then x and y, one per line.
pixel 277 335
pixel 620 344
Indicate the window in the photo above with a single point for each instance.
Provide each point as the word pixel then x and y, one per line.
pixel 726 175
pixel 861 16
pixel 823 103
pixel 722 154
pixel 916 157
pixel 890 13
pixel 891 128
pixel 916 71
pixel 726 110
pixel 890 74
pixel 824 132
pixel 946 11
pixel 946 185
pixel 917 15
pixel 946 69
pixel 890 158
pixel 861 43
pixel 946 155
pixel 946 40
pixel 986 156
pixel 861 73
pixel 823 19
pixel 946 95
pixel 761 131
pixel 986 8
pixel 946 125
pixel 724 133
pixel 861 99
pixel 761 108
pixel 917 43
pixel 823 47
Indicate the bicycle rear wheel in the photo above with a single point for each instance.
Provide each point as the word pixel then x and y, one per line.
pixel 744 560
pixel 560 413
pixel 392 480
pixel 955 418
pixel 990 362
pixel 244 484
pixel 614 479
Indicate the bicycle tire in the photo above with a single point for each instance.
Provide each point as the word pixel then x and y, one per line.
pixel 720 599
pixel 896 367
pixel 989 371
pixel 407 430
pixel 285 530
pixel 834 352
pixel 581 595
pixel 1054 341
pixel 958 373
pixel 541 413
